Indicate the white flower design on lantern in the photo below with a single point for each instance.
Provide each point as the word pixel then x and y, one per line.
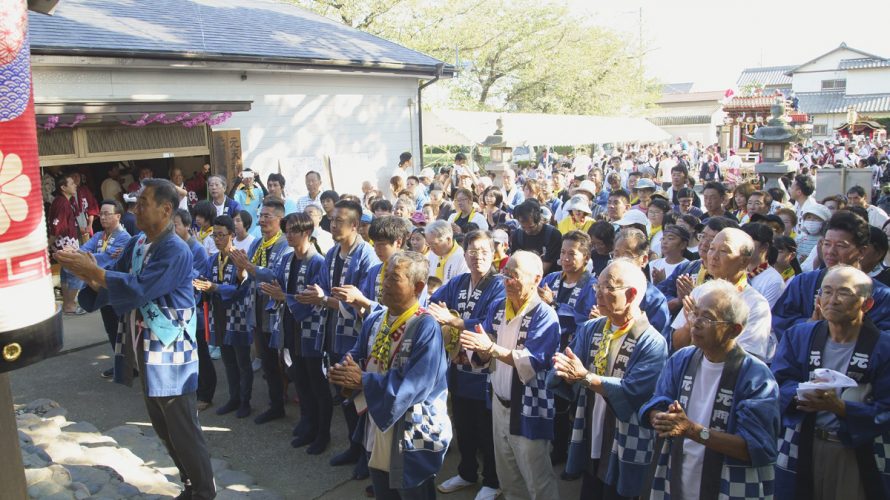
pixel 14 188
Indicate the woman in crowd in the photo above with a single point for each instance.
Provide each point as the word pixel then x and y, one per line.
pixel 602 242
pixel 659 215
pixel 492 203
pixel 786 257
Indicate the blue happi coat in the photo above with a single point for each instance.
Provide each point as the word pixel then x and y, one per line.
pixel 575 309
pixel 865 422
pixel 199 260
pixel 465 379
pixel 632 448
pixel 165 280
pixel 116 243
pixel 311 318
pixel 267 274
pixel 655 305
pixel 533 418
pixel 798 300
pixel 754 417
pixel 412 395
pixel 356 266
pixel 668 286
pixel 235 297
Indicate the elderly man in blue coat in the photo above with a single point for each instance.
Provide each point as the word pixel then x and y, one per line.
pixel 398 375
pixel 150 286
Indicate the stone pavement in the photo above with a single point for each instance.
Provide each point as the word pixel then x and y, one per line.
pixel 264 452
pixel 66 461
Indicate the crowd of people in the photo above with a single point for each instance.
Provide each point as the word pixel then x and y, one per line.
pixel 653 319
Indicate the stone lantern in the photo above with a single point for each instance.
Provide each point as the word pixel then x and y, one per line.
pixel 500 153
pixel 775 136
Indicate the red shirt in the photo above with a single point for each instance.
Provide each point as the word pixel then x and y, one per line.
pixel 63 222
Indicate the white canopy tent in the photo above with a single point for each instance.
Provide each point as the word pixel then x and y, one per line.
pixel 441 127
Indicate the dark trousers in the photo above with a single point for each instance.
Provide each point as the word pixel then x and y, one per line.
pixel 593 488
pixel 562 428
pixel 380 479
pixel 110 321
pixel 316 402
pixel 175 420
pixel 271 369
pixel 206 371
pixel 472 423
pixel 239 373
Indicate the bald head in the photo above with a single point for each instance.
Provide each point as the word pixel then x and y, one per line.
pixel 851 277
pixel 526 262
pixel 738 240
pixel 626 272
pixel 729 254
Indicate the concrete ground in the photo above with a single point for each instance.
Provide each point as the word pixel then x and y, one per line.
pixel 72 379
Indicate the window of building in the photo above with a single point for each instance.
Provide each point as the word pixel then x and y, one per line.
pixel 834 84
pixel 820 129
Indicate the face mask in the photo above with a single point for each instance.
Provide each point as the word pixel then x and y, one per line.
pixel 812 226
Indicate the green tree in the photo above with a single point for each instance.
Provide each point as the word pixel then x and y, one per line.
pixel 516 55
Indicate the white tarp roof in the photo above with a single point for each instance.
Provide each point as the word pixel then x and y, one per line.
pixel 441 127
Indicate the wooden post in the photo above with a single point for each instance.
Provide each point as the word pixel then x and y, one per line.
pixel 12 472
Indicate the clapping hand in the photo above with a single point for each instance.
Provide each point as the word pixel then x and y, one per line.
pixel 671 423
pixel 477 341
pixel 273 290
pixel 568 366
pixel 347 373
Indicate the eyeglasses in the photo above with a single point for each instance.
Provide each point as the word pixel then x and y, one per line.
pixel 478 253
pixel 267 216
pixel 703 321
pixel 841 293
pixel 218 236
pixel 609 288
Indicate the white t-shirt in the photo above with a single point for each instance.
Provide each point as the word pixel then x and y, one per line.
pixel 666 165
pixel 701 403
pixel 244 244
pixel 454 266
pixel 508 335
pixel 663 264
pixel 220 209
pixel 755 338
pixel 598 415
pixel 770 284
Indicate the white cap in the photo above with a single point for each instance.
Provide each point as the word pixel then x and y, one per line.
pixel 578 202
pixel 634 216
pixel 427 172
pixel 581 164
pixel 588 186
pixel 820 211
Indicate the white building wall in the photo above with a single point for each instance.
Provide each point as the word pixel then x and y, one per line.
pixel 812 81
pixel 868 81
pixel 362 122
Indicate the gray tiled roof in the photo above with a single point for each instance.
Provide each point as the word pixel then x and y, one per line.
pixel 864 63
pixel 768 76
pixel 223 30
pixel 666 121
pixel 837 102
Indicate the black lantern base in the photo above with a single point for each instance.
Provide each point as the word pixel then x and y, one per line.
pixel 33 343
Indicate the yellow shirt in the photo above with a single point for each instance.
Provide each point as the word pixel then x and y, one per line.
pixel 568 224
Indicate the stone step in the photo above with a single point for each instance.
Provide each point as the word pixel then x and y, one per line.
pixel 73 460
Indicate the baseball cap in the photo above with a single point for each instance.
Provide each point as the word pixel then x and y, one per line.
pixel 427 173
pixel 633 216
pixel 820 211
pixel 578 202
pixel 644 183
pixel 500 236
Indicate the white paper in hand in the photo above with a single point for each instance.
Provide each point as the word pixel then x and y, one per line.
pixel 823 380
